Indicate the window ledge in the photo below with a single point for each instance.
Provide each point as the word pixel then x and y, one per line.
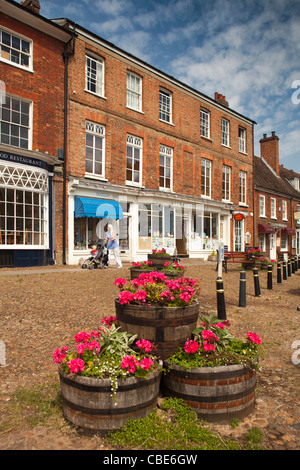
pixel 95 177
pixel 134 109
pixel 94 94
pixel 21 67
pixel 206 138
pixel 166 122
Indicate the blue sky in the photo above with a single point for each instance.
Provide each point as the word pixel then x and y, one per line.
pixel 247 50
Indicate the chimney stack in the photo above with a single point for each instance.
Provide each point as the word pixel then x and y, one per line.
pixel 33 5
pixel 221 99
pixel 269 151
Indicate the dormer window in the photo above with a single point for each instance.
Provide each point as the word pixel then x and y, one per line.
pixel 294 182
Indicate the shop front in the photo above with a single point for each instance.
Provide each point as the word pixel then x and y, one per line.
pixel 143 221
pixel 25 209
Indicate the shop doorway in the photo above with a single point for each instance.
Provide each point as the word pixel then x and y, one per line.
pixel 182 231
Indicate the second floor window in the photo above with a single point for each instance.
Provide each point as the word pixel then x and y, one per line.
pixel 225 132
pixel 15 49
pixel 242 140
pixel 165 167
pixel 226 183
pixel 94 75
pixel 134 91
pixel 273 208
pixel 165 106
pixel 205 177
pixel 243 187
pixel 94 148
pixel 134 147
pixel 15 122
pixel 204 124
pixel 262 206
pixel 284 210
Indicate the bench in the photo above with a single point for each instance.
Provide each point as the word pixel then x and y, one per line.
pixel 236 257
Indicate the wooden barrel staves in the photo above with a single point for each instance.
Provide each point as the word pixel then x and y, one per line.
pixel 167 327
pixel 159 260
pixel 88 404
pixel 214 393
pixel 135 273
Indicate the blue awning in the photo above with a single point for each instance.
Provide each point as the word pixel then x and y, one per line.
pixel 102 208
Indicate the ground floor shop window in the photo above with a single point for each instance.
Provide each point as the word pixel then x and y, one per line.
pixel 23 207
pixel 156 227
pixel 85 232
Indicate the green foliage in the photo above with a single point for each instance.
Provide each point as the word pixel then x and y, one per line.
pixel 175 427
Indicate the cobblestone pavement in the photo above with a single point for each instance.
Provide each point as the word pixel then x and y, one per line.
pixel 42 308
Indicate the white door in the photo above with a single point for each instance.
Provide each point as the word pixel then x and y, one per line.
pixel 273 246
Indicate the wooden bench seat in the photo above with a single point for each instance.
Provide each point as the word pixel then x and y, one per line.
pixel 240 257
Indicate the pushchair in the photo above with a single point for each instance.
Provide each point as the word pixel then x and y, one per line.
pixel 99 260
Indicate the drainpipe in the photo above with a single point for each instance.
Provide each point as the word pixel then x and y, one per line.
pixel 253 188
pixel 66 55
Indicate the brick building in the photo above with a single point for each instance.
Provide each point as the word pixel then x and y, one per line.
pixel 167 165
pixel 31 134
pixel 277 202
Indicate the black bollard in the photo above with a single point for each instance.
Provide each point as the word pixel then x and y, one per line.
pixel 221 299
pixel 293 265
pixel 242 297
pixel 256 282
pixel 289 268
pixel 270 280
pixel 284 270
pixel 298 262
pixel 279 277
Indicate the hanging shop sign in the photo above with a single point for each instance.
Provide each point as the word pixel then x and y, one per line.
pixel 238 217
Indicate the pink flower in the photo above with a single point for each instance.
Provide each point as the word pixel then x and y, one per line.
pixel 146 363
pixel 220 325
pixel 81 348
pixel 59 354
pixel 120 282
pixel 125 297
pixel 130 363
pixel 144 344
pixel 94 345
pixel 191 346
pixel 167 295
pixel 109 320
pixel 209 336
pixel 76 365
pixel 167 263
pixel 82 337
pixel 208 346
pixel 185 297
pixel 254 337
pixel 140 295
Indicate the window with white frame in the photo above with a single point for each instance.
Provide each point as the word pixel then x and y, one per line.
pixel 242 140
pixel 15 49
pixel 273 208
pixel 284 242
pixel 262 241
pixel 284 210
pixel 204 124
pixel 15 122
pixel 243 187
pixel 225 132
pixel 134 148
pixel 23 206
pixel 95 149
pixel 165 167
pixel 205 177
pixel 262 206
pixel 165 105
pixel 226 175
pixel 134 91
pixel 94 75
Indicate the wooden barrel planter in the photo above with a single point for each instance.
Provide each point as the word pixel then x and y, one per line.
pixel 159 260
pixel 167 327
pixel 135 272
pixel 87 402
pixel 214 393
